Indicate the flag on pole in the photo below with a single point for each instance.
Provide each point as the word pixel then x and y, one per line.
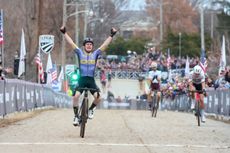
pixel 53 73
pixel 21 67
pixel 187 67
pixel 61 76
pixel 222 58
pixel 40 67
pixel 168 60
pixel 49 66
pixel 60 79
pixel 203 62
pixel 1 27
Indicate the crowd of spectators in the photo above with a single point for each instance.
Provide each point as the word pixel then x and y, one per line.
pixel 140 63
pixel 177 84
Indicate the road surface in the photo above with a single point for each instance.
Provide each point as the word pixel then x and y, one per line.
pixel 115 131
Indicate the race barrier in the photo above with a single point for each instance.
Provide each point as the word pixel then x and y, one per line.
pixel 18 95
pixel 217 102
pixel 129 74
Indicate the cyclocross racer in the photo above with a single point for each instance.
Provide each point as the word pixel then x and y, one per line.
pixel 197 82
pixel 154 79
pixel 87 64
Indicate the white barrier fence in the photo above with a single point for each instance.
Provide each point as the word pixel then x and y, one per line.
pixel 18 95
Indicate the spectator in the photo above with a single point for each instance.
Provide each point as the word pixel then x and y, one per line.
pixel 227 75
pixel 109 78
pixel 103 80
pixel 4 71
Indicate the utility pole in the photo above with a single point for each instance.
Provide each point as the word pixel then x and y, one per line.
pixel 63 57
pixel 77 31
pixel 77 26
pixel 202 28
pixel 161 22
pixel 179 45
pixel 85 20
pixel 212 34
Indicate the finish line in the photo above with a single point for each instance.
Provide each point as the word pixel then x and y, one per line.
pixel 115 144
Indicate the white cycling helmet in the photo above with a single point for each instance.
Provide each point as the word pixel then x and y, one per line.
pixel 153 65
pixel 197 69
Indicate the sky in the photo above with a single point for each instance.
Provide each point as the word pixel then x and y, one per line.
pixel 136 5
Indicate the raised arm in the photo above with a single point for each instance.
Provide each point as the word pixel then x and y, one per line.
pixel 68 38
pixel 108 40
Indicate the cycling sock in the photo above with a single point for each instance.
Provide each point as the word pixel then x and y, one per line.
pixel 75 110
pixel 92 106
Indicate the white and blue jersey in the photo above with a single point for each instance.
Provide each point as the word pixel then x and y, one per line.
pixel 154 75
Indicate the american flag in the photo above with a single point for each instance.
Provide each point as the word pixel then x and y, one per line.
pixel 1 27
pixel 168 59
pixel 40 67
pixel 53 73
pixel 203 62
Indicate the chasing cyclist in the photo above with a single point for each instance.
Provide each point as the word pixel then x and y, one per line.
pixel 197 82
pixel 154 80
pixel 87 64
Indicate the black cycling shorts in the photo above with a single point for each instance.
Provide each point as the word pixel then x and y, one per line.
pixel 155 86
pixel 86 82
pixel 198 86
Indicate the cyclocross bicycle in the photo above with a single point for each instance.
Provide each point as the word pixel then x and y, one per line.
pixel 197 105
pixel 83 111
pixel 155 104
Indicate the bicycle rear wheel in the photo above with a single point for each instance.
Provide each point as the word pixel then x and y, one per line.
pixel 198 113
pixel 154 107
pixel 84 116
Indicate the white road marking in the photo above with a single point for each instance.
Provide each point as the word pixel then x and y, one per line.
pixel 116 144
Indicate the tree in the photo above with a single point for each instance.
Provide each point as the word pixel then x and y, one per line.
pixel 120 46
pixel 108 10
pixel 178 15
pixel 190 44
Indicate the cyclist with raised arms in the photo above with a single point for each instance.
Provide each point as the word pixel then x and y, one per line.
pixel 87 65
pixel 154 80
pixel 197 82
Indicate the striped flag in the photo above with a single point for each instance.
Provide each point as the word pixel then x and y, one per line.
pixel 187 70
pixel 1 27
pixel 203 62
pixel 222 65
pixel 168 59
pixel 40 67
pixel 53 73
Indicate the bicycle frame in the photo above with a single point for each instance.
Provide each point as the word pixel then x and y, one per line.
pixel 155 104
pixel 83 111
pixel 197 97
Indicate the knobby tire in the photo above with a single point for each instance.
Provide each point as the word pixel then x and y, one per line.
pixel 154 107
pixel 84 116
pixel 198 113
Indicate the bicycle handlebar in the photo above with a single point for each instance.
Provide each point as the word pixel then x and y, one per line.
pixel 197 91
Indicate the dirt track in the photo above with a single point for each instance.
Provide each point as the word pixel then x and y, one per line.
pixel 113 131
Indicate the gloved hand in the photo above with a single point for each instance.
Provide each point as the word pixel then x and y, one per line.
pixel 113 32
pixel 204 92
pixel 63 30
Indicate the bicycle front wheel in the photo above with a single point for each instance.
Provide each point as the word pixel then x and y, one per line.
pixel 84 116
pixel 198 113
pixel 154 107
